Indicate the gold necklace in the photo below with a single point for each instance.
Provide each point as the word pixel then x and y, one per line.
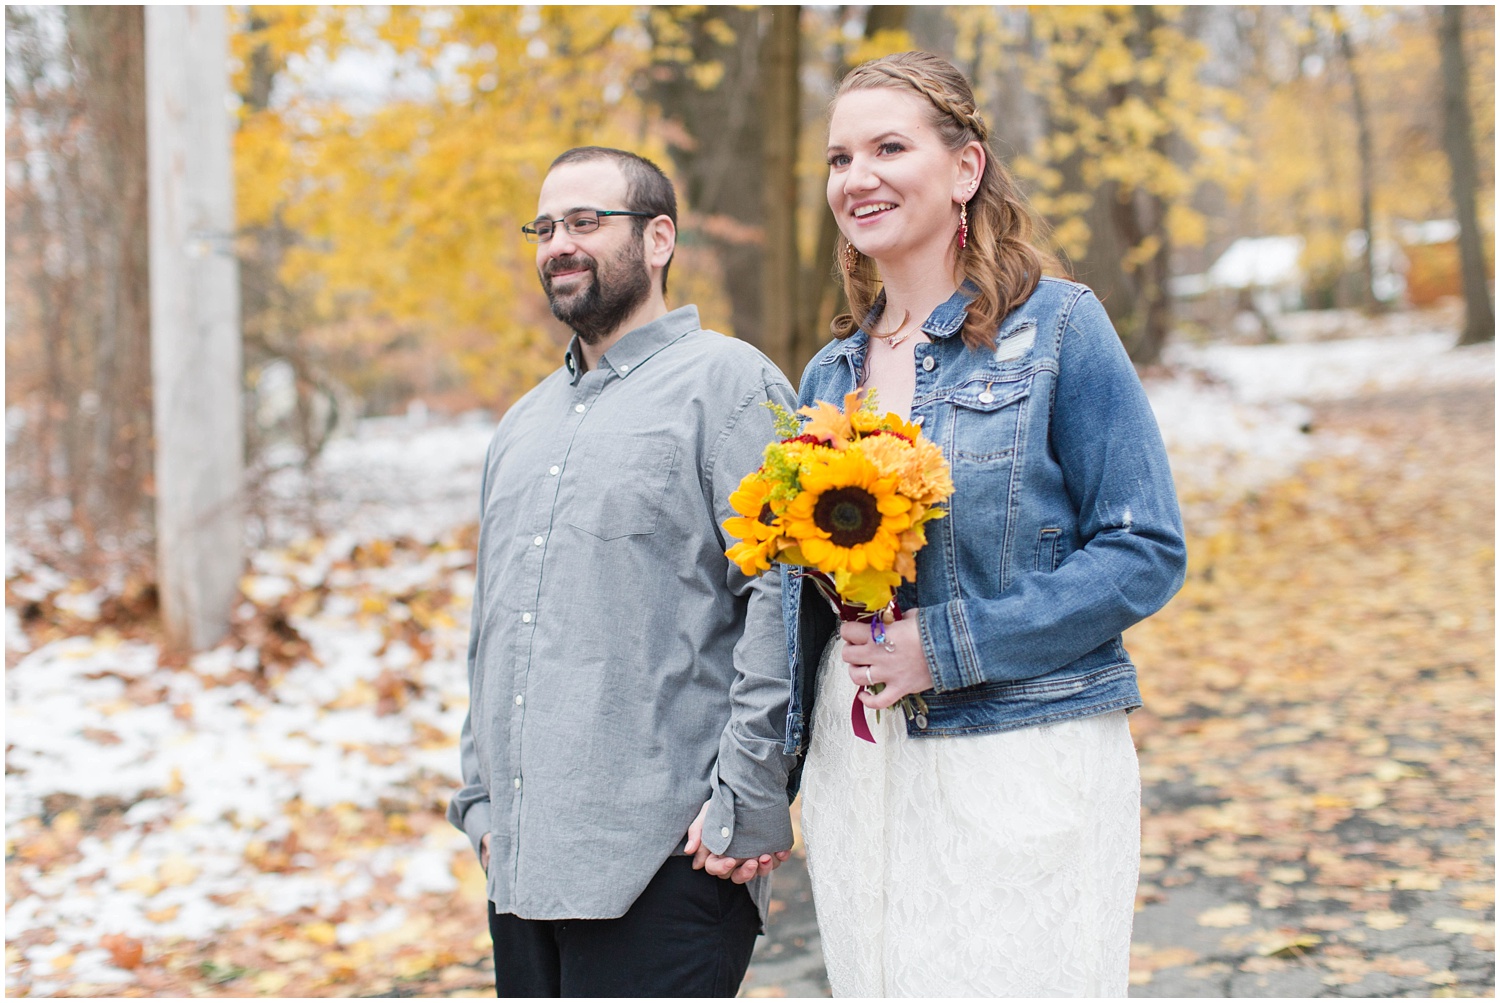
pixel 896 337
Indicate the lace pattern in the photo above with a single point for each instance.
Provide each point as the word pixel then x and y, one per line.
pixel 986 865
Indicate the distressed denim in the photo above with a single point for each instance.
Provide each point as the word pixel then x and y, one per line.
pixel 1062 532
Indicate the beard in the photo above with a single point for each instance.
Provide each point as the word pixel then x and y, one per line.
pixel 615 287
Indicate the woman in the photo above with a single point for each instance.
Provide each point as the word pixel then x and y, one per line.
pixel 991 845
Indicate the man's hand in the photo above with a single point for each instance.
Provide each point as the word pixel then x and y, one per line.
pixel 484 852
pixel 737 869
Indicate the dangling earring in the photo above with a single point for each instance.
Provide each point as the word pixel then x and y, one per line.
pixel 963 226
pixel 851 257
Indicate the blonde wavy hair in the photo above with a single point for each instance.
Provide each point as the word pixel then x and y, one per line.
pixel 1002 257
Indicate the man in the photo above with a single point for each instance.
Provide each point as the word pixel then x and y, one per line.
pixel 628 686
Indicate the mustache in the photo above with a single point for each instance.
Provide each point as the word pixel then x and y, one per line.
pixel 568 264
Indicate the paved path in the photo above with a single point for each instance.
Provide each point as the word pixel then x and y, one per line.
pixel 1389 901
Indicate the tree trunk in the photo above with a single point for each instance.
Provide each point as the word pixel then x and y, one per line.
pixel 822 292
pixel 109 44
pixel 1366 175
pixel 1121 222
pixel 1458 142
pixel 780 270
pixel 718 156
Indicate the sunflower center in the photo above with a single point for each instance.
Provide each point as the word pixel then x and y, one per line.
pixel 849 515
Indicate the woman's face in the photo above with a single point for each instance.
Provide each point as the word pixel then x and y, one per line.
pixel 892 183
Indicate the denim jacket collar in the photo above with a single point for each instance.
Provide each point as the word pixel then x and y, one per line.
pixel 944 322
pixel 635 347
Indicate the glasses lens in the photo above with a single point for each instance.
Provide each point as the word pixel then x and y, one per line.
pixel 582 222
pixel 538 231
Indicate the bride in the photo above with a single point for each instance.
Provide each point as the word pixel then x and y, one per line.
pixel 991 845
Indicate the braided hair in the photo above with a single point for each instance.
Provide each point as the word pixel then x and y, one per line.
pixel 1001 258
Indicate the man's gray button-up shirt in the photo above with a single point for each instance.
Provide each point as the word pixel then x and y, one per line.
pixel 621 670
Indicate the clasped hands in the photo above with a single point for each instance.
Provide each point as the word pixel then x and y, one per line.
pixel 737 869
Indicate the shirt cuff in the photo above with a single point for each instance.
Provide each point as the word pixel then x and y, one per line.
pixel 477 823
pixel 748 832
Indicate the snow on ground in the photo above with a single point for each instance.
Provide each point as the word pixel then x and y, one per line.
pixel 208 762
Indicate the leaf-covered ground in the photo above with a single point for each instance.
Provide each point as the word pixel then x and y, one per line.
pixel 1317 752
pixel 1318 745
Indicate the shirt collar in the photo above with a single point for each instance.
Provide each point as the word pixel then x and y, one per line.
pixel 944 322
pixel 635 347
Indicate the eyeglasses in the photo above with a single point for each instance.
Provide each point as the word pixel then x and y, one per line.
pixel 577 223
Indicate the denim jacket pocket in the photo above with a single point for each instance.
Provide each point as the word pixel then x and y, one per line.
pixel 628 500
pixel 985 415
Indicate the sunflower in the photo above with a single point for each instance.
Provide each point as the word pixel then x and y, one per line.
pixel 757 527
pixel 848 517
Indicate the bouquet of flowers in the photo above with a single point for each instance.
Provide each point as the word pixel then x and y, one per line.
pixel 845 497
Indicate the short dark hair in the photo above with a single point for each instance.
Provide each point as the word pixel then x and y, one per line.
pixel 647 189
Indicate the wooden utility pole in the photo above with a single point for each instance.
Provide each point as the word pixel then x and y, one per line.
pixel 195 322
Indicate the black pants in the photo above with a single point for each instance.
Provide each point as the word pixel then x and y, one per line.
pixel 688 934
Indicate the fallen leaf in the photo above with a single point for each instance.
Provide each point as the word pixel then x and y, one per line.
pixel 1455 924
pixel 124 952
pixel 177 870
pixel 1234 914
pixel 270 983
pixel 1384 920
pixel 321 932
pixel 1287 943
pixel 1400 966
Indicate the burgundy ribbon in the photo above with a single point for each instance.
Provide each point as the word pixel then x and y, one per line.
pixel 849 613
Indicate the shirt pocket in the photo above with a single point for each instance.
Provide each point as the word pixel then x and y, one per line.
pixel 622 485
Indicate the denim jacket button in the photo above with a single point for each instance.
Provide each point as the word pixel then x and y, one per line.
pixel 986 398
pixel 929 364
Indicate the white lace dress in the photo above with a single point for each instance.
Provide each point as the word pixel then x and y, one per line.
pixel 982 865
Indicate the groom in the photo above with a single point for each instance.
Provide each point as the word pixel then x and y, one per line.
pixel 628 685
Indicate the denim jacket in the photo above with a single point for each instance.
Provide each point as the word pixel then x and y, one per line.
pixel 1063 529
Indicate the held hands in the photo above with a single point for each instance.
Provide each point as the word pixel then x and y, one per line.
pixel 904 670
pixel 738 870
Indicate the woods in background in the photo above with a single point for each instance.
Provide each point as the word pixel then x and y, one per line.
pixel 385 158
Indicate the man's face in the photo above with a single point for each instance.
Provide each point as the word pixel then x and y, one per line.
pixel 596 280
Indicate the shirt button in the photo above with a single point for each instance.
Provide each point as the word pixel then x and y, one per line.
pixel 520 699
pixel 929 363
pixel 536 541
pixel 624 369
pixel 553 470
pixel 580 409
pixel 525 617
pixel 724 832
pixel 986 398
pixel 517 782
